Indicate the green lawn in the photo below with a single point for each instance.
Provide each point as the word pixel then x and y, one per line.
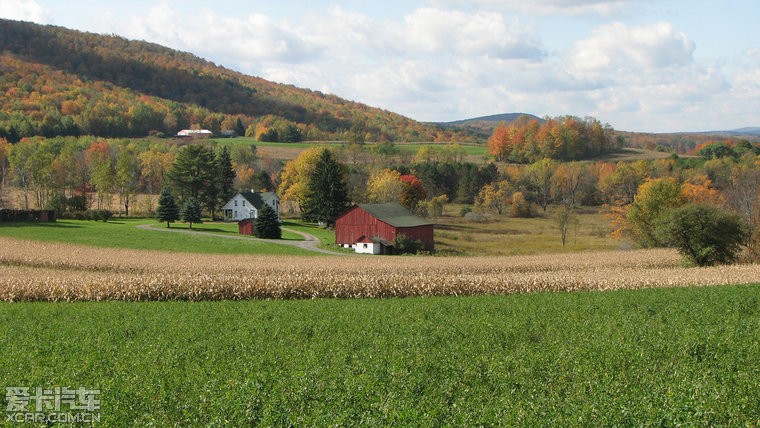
pixel 664 357
pixel 326 236
pixel 469 149
pixel 123 233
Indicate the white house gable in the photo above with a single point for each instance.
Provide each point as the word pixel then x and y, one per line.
pixel 241 207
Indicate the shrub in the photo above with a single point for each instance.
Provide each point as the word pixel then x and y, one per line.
pixel 704 234
pixel 521 207
pixel 77 203
pixel 103 215
pixel 403 244
pixel 57 203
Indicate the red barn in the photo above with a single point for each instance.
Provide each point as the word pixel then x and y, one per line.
pixel 371 228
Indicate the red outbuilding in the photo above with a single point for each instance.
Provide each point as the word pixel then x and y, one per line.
pixel 372 228
pixel 245 227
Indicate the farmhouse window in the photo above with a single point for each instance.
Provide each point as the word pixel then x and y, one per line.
pixel 235 202
pixel 365 245
pixel 243 203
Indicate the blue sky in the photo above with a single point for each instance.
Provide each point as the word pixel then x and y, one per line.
pixel 639 65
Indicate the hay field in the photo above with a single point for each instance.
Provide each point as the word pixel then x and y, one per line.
pixel 39 271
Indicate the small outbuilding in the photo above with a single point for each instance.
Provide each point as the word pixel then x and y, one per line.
pixel 245 227
pixel 372 228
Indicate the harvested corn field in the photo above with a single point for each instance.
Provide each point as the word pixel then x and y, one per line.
pixel 37 271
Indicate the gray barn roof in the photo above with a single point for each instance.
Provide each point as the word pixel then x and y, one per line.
pixel 394 214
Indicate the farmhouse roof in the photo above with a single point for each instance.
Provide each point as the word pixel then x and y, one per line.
pixel 194 132
pixel 256 198
pixel 394 214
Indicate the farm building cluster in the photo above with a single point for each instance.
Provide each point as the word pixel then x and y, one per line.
pixel 373 228
pixel 367 228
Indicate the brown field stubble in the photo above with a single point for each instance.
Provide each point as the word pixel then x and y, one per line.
pixel 37 271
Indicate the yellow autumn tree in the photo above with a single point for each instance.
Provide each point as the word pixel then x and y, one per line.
pixel 385 186
pixel 295 176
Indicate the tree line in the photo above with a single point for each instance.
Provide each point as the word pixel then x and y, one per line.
pixel 565 138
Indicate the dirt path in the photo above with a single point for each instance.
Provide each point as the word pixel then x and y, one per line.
pixel 310 242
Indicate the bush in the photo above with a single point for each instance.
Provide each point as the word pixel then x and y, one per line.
pixel 521 207
pixel 403 244
pixel 103 215
pixel 704 234
pixel 57 203
pixel 77 203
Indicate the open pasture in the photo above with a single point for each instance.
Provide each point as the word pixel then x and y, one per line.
pixel 35 271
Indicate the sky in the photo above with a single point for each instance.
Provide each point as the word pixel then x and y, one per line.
pixel 639 65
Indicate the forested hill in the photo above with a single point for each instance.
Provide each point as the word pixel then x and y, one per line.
pixel 58 81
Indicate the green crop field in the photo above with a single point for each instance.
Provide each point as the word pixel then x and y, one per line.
pixel 665 357
pixel 124 233
pixel 291 150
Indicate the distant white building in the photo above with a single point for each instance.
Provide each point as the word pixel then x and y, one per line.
pixel 195 133
pixel 246 205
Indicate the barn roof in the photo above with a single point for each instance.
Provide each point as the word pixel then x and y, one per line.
pixel 394 214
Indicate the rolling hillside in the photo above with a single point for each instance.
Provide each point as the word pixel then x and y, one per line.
pixel 57 81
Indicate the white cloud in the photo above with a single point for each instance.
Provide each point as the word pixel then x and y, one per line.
pixel 545 7
pixel 437 31
pixel 439 62
pixel 23 10
pixel 617 47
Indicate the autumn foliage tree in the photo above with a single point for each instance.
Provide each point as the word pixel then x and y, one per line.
pixel 565 138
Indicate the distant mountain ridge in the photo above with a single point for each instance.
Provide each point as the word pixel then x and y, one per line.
pixel 740 132
pixel 483 126
pixel 494 118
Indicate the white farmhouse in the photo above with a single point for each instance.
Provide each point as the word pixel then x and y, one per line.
pixel 247 205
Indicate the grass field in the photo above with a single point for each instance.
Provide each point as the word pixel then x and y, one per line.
pixel 124 233
pixel 664 357
pixel 504 235
pixel 287 151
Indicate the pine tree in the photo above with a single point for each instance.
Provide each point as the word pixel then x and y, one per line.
pixel 224 179
pixel 267 224
pixel 167 210
pixel 191 211
pixel 192 172
pixel 326 197
pixel 239 128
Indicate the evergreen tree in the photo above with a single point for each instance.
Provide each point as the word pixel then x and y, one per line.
pixel 267 224
pixel 191 211
pixel 224 180
pixel 167 210
pixel 239 128
pixel 192 171
pixel 326 197
pixel 220 187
